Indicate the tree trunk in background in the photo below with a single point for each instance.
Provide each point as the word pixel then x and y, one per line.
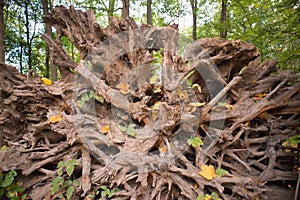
pixel 223 28
pixel 149 12
pixel 111 8
pixel 125 9
pixel 27 27
pixel 2 33
pixel 194 10
pixel 48 30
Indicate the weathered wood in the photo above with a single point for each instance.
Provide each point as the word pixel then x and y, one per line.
pixel 243 121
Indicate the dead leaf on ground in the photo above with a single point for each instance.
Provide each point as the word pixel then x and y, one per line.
pixel 207 172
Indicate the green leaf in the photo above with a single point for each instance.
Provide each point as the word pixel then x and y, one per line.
pixel 24 196
pixel 222 104
pixel 85 97
pixel 103 187
pixel 73 71
pixel 195 142
pixel 92 93
pixel 99 98
pixel 54 189
pixel 1 191
pixel 200 197
pixel 60 164
pixel 123 128
pixel 4 148
pixel 103 193
pixel 156 106
pixel 70 192
pixel 70 166
pixel 221 172
pixel 67 183
pixel 8 180
pixel 214 196
pixel 130 130
pixel 76 183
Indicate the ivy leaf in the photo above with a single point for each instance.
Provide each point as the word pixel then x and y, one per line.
pixel 221 172
pixel 207 172
pixel 195 142
pixel 70 192
pixel 76 183
pixel 70 166
pixel 8 179
pixel 55 184
pixel 215 196
pixel 70 169
pixel 103 187
pixel 92 93
pixel 130 130
pixel 85 97
pixel 123 128
pixel 99 98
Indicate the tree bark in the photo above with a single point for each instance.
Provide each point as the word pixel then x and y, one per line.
pixel 125 9
pixel 194 10
pixel 48 63
pixel 223 28
pixel 2 33
pixel 28 37
pixel 111 9
pixel 149 12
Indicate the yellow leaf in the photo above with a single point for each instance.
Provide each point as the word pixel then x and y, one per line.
pixel 207 197
pixel 123 87
pixel 179 91
pixel 163 148
pixel 154 115
pixel 185 96
pixel 198 104
pixel 157 90
pixel 156 105
pixel 229 106
pixel 260 96
pixel 55 119
pixel 207 172
pixel 105 129
pixel 154 78
pixel 197 86
pixel 196 186
pixel 46 81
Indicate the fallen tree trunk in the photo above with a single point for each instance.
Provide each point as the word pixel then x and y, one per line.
pixel 127 121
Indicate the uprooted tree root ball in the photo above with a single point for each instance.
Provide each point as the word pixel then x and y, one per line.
pixel 143 122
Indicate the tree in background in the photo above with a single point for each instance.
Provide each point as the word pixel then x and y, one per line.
pixel 2 32
pixel 48 62
pixel 149 11
pixel 194 13
pixel 125 9
pixel 223 19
